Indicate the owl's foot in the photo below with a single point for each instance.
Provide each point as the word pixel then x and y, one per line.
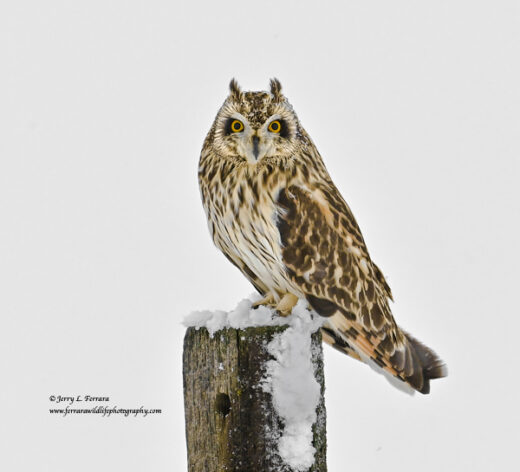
pixel 286 304
pixel 268 300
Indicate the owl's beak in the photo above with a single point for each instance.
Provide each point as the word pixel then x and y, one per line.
pixel 256 149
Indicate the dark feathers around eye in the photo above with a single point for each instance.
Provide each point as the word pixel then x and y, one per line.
pixel 284 129
pixel 227 126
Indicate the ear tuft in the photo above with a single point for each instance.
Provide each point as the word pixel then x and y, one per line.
pixel 236 92
pixel 276 90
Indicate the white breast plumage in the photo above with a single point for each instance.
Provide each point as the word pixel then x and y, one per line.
pixel 247 230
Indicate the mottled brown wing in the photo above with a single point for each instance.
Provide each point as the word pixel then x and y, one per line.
pixel 325 255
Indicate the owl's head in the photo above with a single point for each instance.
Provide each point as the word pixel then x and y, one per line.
pixel 256 126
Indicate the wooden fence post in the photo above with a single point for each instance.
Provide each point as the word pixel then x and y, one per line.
pixel 231 423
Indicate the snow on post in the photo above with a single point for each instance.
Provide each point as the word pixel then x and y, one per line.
pixel 253 391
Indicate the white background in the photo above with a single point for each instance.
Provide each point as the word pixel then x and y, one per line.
pixel 104 105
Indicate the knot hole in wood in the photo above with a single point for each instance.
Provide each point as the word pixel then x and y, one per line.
pixel 223 403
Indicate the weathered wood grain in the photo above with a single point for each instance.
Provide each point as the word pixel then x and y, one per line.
pixel 229 418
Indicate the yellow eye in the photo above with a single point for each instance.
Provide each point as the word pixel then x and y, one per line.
pixel 275 126
pixel 237 126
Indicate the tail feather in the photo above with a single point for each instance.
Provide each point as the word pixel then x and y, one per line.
pixel 426 365
pixel 414 364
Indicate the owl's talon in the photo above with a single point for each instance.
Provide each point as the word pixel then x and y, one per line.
pixel 268 301
pixel 286 304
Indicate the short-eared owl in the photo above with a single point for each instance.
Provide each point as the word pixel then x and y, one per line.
pixel 275 213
